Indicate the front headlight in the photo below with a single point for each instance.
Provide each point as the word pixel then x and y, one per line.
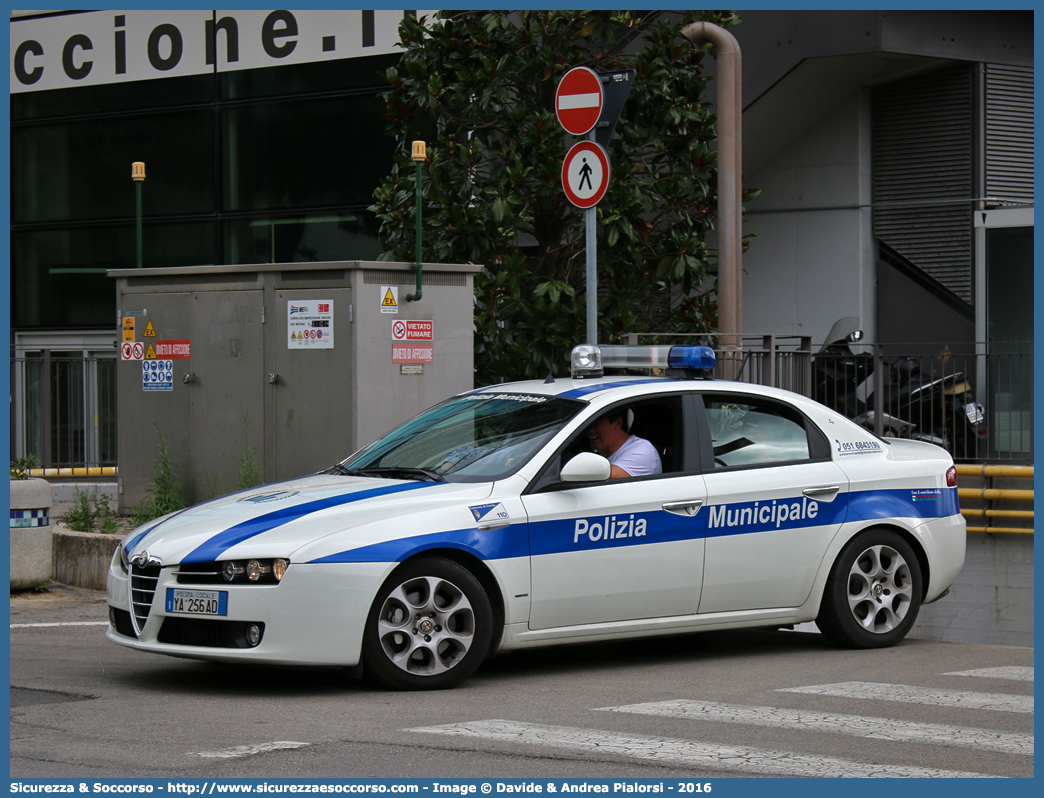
pixel 253 571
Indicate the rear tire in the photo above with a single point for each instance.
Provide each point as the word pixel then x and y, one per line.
pixel 430 626
pixel 873 594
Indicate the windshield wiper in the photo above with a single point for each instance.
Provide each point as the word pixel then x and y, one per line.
pixel 342 470
pixel 402 472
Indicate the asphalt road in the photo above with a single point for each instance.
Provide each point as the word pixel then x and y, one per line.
pixel 710 706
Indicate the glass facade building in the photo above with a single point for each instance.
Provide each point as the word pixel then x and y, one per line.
pixel 893 150
pixel 263 138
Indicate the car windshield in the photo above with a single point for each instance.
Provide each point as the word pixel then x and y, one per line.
pixel 475 438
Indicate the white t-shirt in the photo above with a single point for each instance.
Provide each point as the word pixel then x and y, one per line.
pixel 637 457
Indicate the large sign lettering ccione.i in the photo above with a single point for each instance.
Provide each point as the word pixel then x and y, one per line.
pixel 60 51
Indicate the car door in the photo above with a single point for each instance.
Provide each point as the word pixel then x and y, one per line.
pixel 623 549
pixel 775 500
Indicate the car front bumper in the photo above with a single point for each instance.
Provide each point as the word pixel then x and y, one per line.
pixel 298 615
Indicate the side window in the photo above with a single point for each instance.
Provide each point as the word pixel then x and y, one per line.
pixel 752 431
pixel 657 420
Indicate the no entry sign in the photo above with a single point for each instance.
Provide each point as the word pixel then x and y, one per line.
pixel 585 174
pixel 579 99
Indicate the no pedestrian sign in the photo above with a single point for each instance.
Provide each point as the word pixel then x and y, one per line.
pixel 585 174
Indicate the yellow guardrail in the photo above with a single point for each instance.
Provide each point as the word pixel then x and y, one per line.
pixel 90 471
pixel 986 494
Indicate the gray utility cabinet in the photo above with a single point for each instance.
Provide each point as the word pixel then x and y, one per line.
pixel 314 360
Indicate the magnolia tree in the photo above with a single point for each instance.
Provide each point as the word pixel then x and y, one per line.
pixel 479 87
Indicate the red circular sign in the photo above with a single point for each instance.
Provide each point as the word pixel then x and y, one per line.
pixel 585 174
pixel 579 99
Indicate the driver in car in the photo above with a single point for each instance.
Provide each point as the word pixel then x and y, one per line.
pixel 629 455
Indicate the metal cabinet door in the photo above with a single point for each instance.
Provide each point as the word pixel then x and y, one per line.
pixel 147 411
pixel 225 387
pixel 309 391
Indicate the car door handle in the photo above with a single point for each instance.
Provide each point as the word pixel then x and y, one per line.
pixel 689 508
pixel 493 525
pixel 827 492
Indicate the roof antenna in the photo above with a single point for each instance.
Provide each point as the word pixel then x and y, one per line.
pixel 550 377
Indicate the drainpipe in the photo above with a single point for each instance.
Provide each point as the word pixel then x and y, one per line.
pixel 730 170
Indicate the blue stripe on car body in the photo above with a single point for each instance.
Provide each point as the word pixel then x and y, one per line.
pixel 252 527
pixel 510 541
pixel 129 547
pixel 135 541
pixel 587 390
pixel 635 529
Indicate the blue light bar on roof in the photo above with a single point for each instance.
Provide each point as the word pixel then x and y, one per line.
pixel 589 361
pixel 692 357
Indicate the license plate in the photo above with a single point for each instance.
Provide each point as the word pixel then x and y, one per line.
pixel 197 602
pixel 974 412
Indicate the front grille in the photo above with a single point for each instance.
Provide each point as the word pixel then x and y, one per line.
pixel 200 573
pixel 205 632
pixel 121 622
pixel 143 588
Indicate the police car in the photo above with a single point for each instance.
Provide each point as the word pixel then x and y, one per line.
pixel 489 523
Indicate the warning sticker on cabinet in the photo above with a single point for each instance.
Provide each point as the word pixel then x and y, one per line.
pixel 310 324
pixel 413 330
pixel 412 353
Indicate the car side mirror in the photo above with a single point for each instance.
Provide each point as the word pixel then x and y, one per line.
pixel 586 467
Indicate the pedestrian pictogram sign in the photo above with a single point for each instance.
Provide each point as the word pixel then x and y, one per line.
pixel 585 174
pixel 579 99
pixel 150 331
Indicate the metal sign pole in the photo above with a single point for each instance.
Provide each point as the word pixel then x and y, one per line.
pixel 580 105
pixel 590 221
pixel 591 246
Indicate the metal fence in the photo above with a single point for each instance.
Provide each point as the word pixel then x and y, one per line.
pixel 64 408
pixel 975 400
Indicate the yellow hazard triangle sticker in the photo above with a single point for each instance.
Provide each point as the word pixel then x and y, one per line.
pixel 389 300
pixel 150 353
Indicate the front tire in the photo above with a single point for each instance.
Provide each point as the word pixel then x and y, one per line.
pixel 430 626
pixel 873 594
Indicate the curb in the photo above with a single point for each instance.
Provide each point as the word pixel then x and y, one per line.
pixel 81 559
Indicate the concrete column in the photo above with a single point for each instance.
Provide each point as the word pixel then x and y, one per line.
pixel 31 558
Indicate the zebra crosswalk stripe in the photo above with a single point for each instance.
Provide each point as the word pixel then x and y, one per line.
pixel 241 751
pixel 836 723
pixel 964 699
pixel 1017 673
pixel 685 753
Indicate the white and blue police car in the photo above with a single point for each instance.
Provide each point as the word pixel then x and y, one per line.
pixel 488 523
